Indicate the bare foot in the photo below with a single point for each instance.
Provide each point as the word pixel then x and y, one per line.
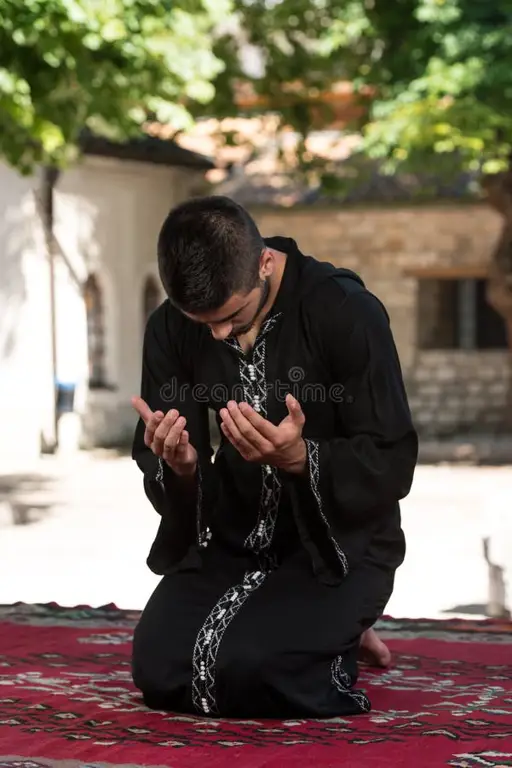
pixel 373 651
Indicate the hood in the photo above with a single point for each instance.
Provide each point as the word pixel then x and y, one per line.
pixel 311 270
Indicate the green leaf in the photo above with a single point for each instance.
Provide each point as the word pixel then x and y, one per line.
pixel 103 64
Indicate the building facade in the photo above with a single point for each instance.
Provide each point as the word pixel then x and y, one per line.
pixel 107 214
pixel 428 265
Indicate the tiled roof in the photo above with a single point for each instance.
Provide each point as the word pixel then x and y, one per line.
pixel 253 160
pixel 148 149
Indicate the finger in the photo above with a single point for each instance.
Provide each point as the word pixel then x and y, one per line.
pixel 163 430
pixel 225 430
pixel 234 435
pixel 248 431
pixel 295 410
pixel 181 450
pixel 142 409
pixel 174 435
pixel 151 427
pixel 172 440
pixel 184 439
pixel 261 425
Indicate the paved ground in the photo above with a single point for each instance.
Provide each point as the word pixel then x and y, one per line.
pixel 77 531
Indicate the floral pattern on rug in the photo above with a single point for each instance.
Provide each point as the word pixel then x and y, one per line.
pixel 66 690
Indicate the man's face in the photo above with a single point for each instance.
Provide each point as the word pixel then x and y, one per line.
pixel 238 314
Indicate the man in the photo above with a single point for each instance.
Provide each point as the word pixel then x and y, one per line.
pixel 279 556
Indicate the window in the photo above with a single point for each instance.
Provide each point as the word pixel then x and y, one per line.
pixel 95 332
pixel 151 298
pixel 455 314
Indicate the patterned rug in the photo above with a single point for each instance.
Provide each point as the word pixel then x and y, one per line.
pixel 67 701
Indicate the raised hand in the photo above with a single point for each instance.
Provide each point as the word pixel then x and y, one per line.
pixel 258 440
pixel 167 437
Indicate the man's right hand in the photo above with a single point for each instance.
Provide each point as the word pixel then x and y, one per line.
pixel 167 437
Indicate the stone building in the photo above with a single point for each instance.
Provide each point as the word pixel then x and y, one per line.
pixel 428 265
pixel 422 245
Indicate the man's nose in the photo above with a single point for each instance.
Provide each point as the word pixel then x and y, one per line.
pixel 221 332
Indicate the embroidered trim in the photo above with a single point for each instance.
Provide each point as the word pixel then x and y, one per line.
pixel 269 323
pixel 341 680
pixel 210 635
pixel 314 479
pixel 265 328
pixel 261 536
pixel 206 648
pixel 203 536
pixel 254 383
pixel 253 378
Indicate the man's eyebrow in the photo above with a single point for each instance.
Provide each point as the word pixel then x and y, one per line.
pixel 232 315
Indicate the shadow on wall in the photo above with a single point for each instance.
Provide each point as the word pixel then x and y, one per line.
pixel 14 241
pixel 25 498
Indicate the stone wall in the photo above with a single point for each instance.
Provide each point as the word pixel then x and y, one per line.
pixel 458 391
pixel 450 390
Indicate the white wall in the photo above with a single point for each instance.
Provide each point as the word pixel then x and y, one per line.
pixel 26 390
pixel 108 216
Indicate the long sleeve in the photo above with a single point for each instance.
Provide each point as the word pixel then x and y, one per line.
pixel 371 463
pixel 166 384
pixel 362 462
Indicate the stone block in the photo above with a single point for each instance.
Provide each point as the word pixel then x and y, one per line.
pixel 446 373
pixel 448 417
pixel 430 388
pixel 422 373
pixel 424 417
pixel 453 402
pixel 498 387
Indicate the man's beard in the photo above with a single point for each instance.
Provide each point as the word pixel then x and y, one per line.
pixel 265 293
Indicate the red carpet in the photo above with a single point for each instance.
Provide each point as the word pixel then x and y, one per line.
pixel 67 701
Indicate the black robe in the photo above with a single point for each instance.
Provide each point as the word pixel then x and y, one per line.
pixel 316 552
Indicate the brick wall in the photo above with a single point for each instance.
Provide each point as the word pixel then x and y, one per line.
pixel 450 391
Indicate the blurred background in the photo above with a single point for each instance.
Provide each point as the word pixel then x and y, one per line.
pixel 379 136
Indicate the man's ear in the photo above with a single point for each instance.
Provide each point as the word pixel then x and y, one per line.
pixel 267 263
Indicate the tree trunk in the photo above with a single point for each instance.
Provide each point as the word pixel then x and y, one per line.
pixel 48 182
pixel 499 284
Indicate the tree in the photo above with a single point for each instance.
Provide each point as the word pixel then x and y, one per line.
pixel 432 78
pixel 104 66
pixel 455 107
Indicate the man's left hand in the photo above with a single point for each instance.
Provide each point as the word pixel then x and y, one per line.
pixel 260 441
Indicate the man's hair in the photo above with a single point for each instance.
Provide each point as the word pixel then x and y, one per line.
pixel 208 249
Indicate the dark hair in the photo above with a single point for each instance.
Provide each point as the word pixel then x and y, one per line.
pixel 208 249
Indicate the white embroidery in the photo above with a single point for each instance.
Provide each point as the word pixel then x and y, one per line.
pixel 203 535
pixel 252 376
pixel 341 680
pixel 269 324
pixel 314 479
pixel 159 477
pixel 254 382
pixel 262 533
pixel 209 638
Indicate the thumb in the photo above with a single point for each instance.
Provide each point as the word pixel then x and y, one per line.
pixel 142 409
pixel 295 410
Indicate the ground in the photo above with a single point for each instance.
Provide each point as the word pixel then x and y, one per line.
pixel 77 531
